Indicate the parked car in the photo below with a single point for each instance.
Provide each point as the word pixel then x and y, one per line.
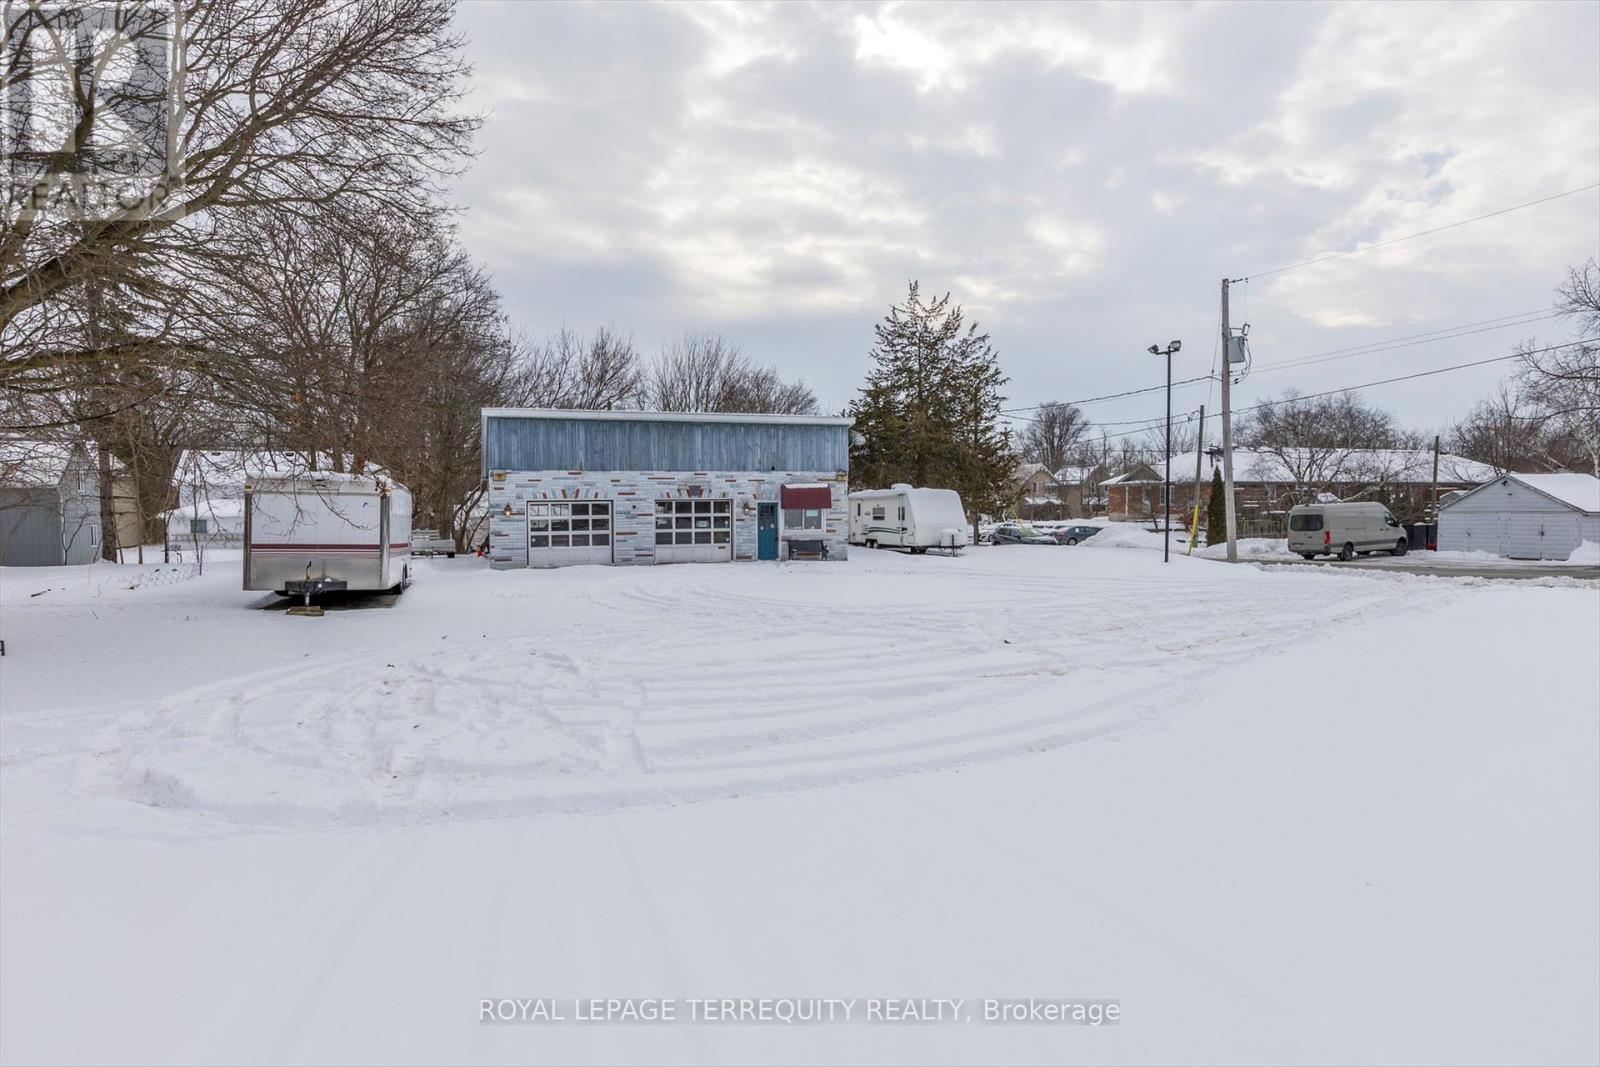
pixel 1345 530
pixel 1071 535
pixel 1012 533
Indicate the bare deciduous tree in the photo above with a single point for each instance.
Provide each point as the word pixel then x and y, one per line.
pixel 283 104
pixel 1052 434
pixel 599 372
pixel 1564 382
pixel 706 372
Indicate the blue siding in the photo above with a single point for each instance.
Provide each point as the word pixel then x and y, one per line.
pixel 533 444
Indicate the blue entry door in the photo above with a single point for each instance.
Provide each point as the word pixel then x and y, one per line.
pixel 767 531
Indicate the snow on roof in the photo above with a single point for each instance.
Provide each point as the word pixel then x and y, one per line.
pixel 1075 475
pixel 1581 491
pixel 34 464
pixel 1128 478
pixel 1394 465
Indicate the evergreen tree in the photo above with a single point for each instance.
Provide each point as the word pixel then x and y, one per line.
pixel 1216 512
pixel 930 408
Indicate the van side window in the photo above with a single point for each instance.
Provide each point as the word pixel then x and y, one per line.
pixel 1305 523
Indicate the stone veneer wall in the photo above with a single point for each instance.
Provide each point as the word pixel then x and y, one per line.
pixel 634 494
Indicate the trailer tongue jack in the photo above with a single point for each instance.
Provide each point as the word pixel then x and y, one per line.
pixel 309 587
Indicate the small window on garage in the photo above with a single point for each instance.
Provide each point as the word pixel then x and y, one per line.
pixel 197 526
pixel 802 519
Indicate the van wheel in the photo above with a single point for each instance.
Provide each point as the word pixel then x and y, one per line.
pixel 1308 555
pixel 1348 552
pixel 1399 548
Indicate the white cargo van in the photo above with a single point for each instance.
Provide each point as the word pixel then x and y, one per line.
pixel 913 519
pixel 1344 530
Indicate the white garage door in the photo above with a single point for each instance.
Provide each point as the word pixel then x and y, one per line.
pixel 561 532
pixel 694 531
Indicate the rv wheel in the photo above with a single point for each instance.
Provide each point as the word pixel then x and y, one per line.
pixel 1348 552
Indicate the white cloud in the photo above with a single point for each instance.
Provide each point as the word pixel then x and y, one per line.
pixel 778 171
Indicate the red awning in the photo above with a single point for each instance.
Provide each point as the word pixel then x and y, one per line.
pixel 806 496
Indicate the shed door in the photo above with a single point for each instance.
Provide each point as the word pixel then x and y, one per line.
pixel 694 530
pixel 563 532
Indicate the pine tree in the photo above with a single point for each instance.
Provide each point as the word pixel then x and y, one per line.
pixel 930 408
pixel 1216 512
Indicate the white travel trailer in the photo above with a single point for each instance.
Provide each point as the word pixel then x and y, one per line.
pixel 318 532
pixel 913 519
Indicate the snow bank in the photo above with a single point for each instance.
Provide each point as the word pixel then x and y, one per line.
pixel 1251 548
pixel 1587 554
pixel 1129 535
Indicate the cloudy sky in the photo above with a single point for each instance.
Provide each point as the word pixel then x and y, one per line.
pixel 1079 177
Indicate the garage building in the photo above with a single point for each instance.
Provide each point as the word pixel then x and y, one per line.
pixel 1523 516
pixel 647 487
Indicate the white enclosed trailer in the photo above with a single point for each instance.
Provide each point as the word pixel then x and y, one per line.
pixel 321 532
pixel 904 517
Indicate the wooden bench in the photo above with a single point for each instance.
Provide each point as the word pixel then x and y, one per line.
pixel 808 548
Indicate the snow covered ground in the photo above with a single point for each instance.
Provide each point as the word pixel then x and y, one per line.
pixel 1279 815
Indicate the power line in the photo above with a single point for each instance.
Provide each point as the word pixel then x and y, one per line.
pixel 1097 399
pixel 1365 385
pixel 1420 233
pixel 1388 346
pixel 1444 333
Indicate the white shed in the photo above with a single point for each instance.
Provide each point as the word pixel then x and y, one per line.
pixel 1523 516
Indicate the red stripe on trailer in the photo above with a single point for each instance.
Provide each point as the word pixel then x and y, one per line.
pixel 404 546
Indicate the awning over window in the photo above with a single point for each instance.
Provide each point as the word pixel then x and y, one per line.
pixel 806 496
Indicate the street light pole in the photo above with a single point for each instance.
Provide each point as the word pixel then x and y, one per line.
pixel 1166 485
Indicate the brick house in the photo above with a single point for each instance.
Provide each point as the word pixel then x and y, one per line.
pixel 1268 483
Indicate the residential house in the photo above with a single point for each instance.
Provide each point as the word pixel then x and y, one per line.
pixel 49 504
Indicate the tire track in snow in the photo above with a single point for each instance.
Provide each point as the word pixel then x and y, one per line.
pixel 594 716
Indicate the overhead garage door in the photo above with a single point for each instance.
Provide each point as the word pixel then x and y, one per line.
pixel 562 532
pixel 694 531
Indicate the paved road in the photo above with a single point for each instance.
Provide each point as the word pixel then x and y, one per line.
pixel 1422 565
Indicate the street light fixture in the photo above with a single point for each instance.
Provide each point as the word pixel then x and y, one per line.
pixel 1166 486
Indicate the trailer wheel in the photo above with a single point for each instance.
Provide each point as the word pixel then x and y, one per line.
pixel 1348 552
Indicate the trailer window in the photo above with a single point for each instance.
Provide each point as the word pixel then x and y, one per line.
pixel 878 513
pixel 1305 523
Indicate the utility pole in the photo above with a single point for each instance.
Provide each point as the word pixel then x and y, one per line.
pixel 1166 482
pixel 1199 456
pixel 1433 496
pixel 1227 429
pixel 1166 503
